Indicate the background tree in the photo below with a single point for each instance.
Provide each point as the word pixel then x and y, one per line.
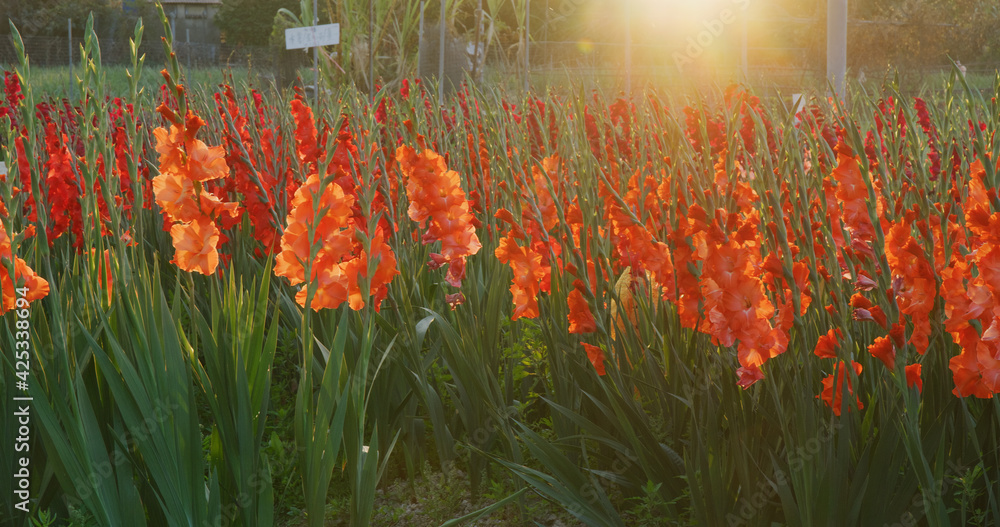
pixel 48 17
pixel 249 22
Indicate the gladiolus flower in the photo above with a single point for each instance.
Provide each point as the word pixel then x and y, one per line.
pixel 596 356
pixel 832 395
pixel 24 276
pixel 883 350
pixel 580 319
pixel 438 201
pixel 748 375
pixel 913 377
pixel 454 300
pixel 528 275
pixel 195 245
pixel 826 346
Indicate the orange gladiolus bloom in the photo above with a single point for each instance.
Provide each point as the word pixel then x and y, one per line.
pixel 438 201
pixel 852 194
pixel 176 196
pixel 596 356
pixel 189 208
pixel 385 270
pixel 103 268
pixel 181 153
pixel 195 245
pixel 919 288
pixel 976 370
pixel 333 236
pixel 826 346
pixel 24 276
pixel 883 350
pixel 832 395
pixel 528 275
pixel 38 287
pixel 543 198
pixel 580 319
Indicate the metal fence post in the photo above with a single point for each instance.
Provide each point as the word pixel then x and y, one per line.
pixel 628 48
pixel 479 27
pixel 371 49
pixel 527 39
pixel 69 25
pixel 744 62
pixel 316 61
pixel 441 55
pixel 420 39
pixel 836 44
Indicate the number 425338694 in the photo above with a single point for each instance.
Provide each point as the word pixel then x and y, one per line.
pixel 22 338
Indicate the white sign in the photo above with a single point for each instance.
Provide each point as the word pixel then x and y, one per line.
pixel 312 36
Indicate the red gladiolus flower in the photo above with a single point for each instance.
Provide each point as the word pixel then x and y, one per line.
pixel 596 356
pixel 63 189
pixel 305 133
pixel 103 268
pixel 580 319
pixel 748 375
pixel 832 395
pixel 913 377
pixel 883 350
pixel 454 300
pixel 826 346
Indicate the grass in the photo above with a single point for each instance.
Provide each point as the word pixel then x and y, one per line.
pixel 54 81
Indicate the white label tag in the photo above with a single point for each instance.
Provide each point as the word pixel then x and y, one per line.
pixel 312 36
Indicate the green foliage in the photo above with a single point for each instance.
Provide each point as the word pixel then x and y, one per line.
pixel 249 22
pixel 206 390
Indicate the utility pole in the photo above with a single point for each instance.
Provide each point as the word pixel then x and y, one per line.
pixel 836 44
